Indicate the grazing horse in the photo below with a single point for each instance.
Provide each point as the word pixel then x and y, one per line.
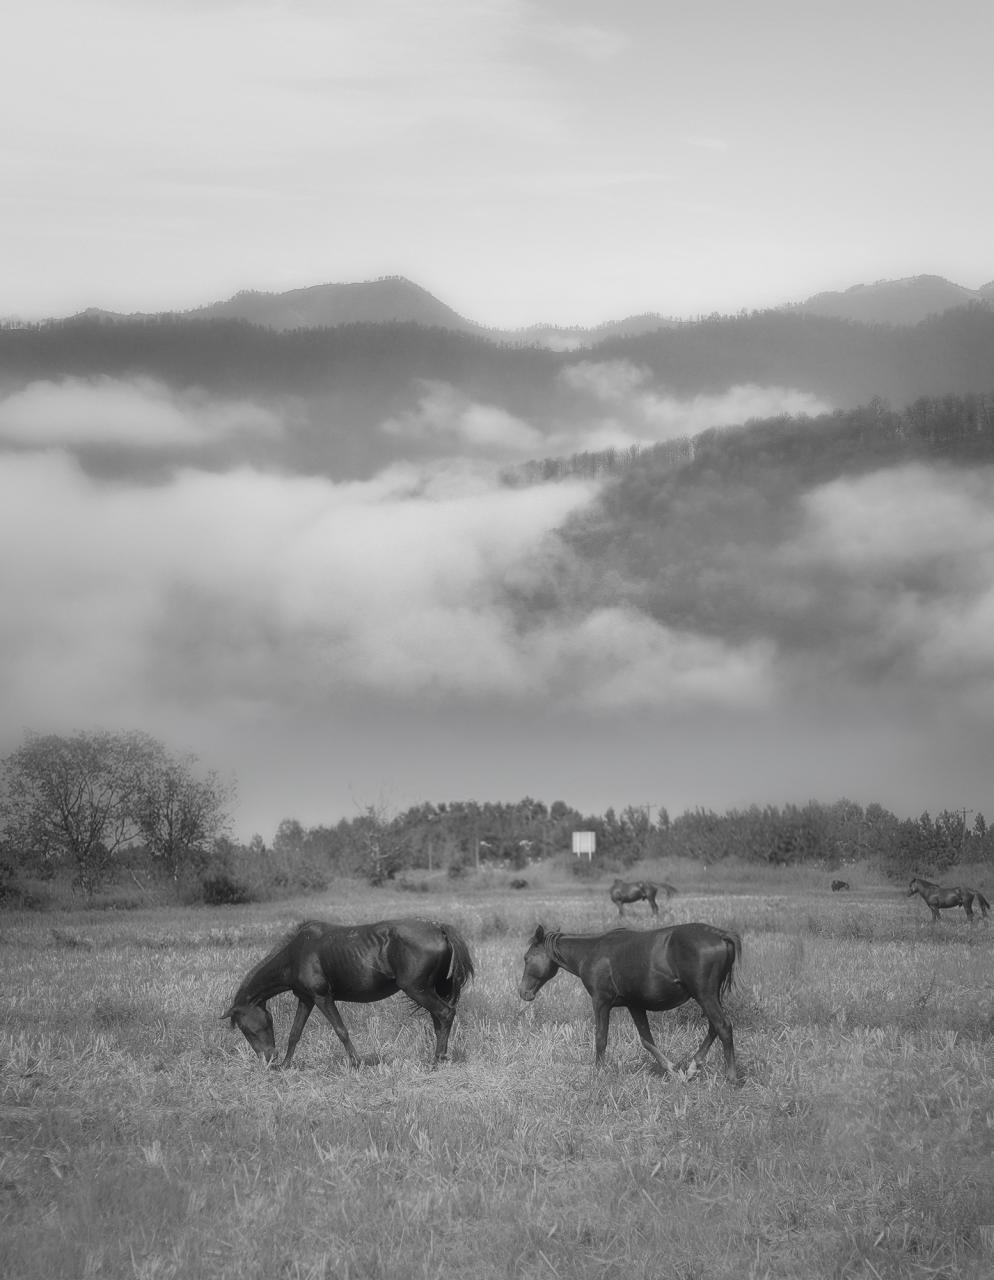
pixel 623 891
pixel 657 969
pixel 839 884
pixel 324 963
pixel 940 898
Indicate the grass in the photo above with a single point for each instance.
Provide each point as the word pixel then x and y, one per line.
pixel 141 1139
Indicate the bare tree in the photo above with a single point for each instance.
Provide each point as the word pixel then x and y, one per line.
pixel 178 814
pixel 72 799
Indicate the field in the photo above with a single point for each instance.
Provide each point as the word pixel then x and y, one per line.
pixel 140 1138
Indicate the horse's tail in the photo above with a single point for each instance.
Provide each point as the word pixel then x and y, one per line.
pixel 460 970
pixel 982 902
pixel 733 947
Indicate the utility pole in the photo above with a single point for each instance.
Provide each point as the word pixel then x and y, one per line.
pixel 648 827
pixel 962 838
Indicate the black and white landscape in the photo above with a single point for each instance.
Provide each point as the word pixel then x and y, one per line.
pixel 491 398
pixel 350 546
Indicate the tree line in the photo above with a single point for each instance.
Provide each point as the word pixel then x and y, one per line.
pixel 847 363
pixel 96 805
pixel 952 428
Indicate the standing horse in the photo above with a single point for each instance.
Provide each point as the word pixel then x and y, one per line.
pixel 658 969
pixel 623 891
pixel 940 898
pixel 324 963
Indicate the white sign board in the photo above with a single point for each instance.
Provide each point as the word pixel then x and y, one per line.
pixel 584 842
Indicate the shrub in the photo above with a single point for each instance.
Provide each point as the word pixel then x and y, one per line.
pixel 583 868
pixel 223 889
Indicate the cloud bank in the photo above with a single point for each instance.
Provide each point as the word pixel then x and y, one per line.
pixel 611 404
pixel 429 617
pixel 248 589
pixel 638 412
pixel 134 413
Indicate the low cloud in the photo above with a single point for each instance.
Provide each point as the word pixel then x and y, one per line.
pixel 614 404
pixel 900 566
pixel 444 416
pixel 618 658
pixel 137 413
pixel 636 411
pixel 248 589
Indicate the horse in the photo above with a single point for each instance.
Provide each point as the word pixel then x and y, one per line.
pixel 640 970
pixel 623 891
pixel 324 963
pixel 939 898
pixel 838 885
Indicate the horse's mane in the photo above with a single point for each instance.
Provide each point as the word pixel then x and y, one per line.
pixel 248 982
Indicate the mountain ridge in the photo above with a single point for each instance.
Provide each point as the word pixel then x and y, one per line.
pixel 390 299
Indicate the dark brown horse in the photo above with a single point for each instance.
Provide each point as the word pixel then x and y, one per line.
pixel 656 969
pixel 324 963
pixel 623 891
pixel 939 898
pixel 839 885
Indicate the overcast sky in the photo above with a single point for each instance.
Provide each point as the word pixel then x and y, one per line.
pixel 563 160
pixel 334 645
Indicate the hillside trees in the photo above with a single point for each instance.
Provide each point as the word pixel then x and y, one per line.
pixel 78 800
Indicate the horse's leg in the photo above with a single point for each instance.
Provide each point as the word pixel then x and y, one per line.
pixel 641 1020
pixel 330 1011
pixel 602 1018
pixel 442 1014
pixel 934 910
pixel 967 901
pixel 621 909
pixel 304 1008
pixel 719 1027
pixel 651 899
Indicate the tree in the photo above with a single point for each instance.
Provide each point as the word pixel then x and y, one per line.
pixel 178 814
pixel 289 838
pixel 73 799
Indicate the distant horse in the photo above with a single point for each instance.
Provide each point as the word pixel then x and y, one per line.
pixel 324 963
pixel 839 884
pixel 940 898
pixel 656 969
pixel 623 891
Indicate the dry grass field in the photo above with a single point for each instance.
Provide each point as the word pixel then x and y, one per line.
pixel 141 1139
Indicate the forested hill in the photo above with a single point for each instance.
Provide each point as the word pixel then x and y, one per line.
pixel 858 539
pixel 350 400
pixel 846 362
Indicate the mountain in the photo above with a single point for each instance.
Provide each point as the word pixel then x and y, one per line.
pixel 392 298
pixel 901 302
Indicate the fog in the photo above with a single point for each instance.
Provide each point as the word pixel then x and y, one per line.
pixel 332 643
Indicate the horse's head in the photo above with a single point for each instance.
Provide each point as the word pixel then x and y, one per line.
pixel 539 966
pixel 255 1022
pixel 913 887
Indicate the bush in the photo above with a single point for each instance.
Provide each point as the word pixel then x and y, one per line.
pixel 223 889
pixel 584 868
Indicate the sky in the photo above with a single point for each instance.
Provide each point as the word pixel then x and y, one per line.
pixel 558 162
pixel 330 644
